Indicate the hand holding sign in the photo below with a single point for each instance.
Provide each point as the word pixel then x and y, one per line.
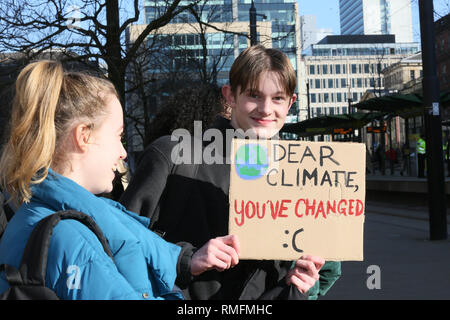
pixel 219 253
pixel 289 198
pixel 305 272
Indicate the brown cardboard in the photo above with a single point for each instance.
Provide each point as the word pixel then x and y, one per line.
pixel 272 198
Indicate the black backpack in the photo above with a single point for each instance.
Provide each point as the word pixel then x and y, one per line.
pixel 28 282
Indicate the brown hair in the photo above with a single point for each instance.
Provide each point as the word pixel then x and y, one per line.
pixel 255 60
pixel 48 103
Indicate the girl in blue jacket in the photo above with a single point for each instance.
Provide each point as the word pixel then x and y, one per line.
pixel 64 147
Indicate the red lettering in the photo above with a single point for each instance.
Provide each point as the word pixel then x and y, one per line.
pixel 320 209
pixel 296 207
pixel 359 208
pixel 283 207
pixel 331 208
pixel 274 210
pixel 241 212
pixel 350 207
pixel 263 210
pixel 344 209
pixel 247 210
pixel 310 208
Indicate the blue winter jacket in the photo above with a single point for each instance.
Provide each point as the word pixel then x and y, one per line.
pixel 144 264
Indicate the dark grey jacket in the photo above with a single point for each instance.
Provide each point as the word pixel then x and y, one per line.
pixel 188 205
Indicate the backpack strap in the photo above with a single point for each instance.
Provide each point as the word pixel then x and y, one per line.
pixel 3 218
pixel 12 275
pixel 33 266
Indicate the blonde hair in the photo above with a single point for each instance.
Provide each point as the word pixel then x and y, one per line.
pixel 47 104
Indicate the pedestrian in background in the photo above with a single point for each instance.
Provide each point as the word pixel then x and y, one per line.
pixel 421 156
pixel 405 152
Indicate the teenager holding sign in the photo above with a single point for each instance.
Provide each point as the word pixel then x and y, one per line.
pixel 189 202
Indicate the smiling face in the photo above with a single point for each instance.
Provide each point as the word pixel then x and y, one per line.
pixel 262 110
pixel 105 150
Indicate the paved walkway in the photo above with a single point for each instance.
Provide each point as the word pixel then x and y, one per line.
pixel 396 239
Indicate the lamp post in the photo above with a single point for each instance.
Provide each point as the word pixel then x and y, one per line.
pixel 433 129
pixel 253 32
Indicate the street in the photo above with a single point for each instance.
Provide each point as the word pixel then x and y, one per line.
pixel 399 260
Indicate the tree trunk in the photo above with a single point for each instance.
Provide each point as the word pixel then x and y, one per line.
pixel 116 70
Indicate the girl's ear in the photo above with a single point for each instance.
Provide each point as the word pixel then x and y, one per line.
pixel 81 135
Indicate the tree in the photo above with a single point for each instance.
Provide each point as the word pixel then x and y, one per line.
pixel 92 29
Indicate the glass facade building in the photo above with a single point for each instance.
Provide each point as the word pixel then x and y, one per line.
pixel 279 16
pixel 377 17
pixel 186 51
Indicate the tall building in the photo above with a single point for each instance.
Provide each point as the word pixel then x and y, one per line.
pixel 377 17
pixel 309 33
pixel 340 69
pixel 277 23
pixel 442 33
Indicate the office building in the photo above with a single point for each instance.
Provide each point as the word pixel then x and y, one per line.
pixel 442 33
pixel 340 69
pixel 377 17
pixel 309 33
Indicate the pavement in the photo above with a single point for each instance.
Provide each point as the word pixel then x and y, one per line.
pixel 400 260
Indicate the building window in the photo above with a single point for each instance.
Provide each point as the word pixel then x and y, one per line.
pixel 343 83
pixel 313 97
pixel 412 74
pixel 311 69
pixel 366 68
pixel 337 69
pixel 317 84
pixel 330 83
pixel 324 69
pixel 338 97
pixel 326 97
pixel 359 82
pixel 354 68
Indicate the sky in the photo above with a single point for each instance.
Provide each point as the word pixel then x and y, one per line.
pixel 327 13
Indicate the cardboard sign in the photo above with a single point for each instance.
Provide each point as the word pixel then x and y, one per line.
pixel 290 198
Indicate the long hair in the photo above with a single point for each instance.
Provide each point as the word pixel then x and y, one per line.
pixel 47 104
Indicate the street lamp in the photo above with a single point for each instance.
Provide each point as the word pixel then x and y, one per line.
pixel 253 15
pixel 435 166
